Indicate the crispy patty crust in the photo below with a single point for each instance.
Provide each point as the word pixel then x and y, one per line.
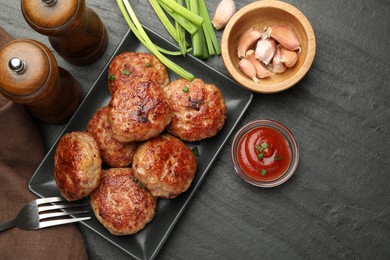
pixel 138 111
pixel 121 204
pixel 131 65
pixel 199 109
pixel 77 165
pixel 113 153
pixel 165 165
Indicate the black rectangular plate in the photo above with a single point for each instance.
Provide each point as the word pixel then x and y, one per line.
pixel 146 243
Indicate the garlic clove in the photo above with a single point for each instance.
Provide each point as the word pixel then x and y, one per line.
pixel 277 64
pixel 265 49
pixel 288 57
pixel 261 70
pixel 285 35
pixel 225 10
pixel 248 69
pixel 247 41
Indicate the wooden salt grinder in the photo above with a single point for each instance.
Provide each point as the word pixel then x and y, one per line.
pixel 29 75
pixel 74 30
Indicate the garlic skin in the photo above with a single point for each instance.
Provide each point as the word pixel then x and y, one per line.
pixel 225 10
pixel 248 69
pixel 285 35
pixel 288 57
pixel 277 64
pixel 265 49
pixel 261 71
pixel 247 41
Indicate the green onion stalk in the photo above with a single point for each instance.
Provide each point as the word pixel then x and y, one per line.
pixel 140 33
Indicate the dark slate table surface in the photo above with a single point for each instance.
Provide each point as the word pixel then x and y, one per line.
pixel 337 205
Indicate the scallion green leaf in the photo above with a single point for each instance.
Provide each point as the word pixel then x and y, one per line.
pixel 197 40
pixel 177 8
pixel 140 33
pixel 181 34
pixel 208 29
pixel 188 18
pixel 183 21
pixel 164 19
pixel 263 172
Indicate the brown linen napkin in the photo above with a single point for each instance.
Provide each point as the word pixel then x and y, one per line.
pixel 21 150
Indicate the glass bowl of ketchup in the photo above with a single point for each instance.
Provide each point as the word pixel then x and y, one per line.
pixel 264 153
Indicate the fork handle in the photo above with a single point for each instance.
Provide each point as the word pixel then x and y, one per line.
pixel 6 225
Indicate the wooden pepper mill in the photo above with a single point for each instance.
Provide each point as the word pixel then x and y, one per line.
pixel 29 75
pixel 74 30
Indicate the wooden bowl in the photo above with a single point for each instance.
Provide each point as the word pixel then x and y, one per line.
pixel 262 14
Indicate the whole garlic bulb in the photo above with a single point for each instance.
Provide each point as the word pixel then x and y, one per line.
pixel 225 10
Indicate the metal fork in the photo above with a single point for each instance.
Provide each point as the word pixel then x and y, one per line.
pixel 40 214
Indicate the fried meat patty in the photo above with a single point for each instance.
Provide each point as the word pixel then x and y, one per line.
pixel 130 65
pixel 77 165
pixel 165 165
pixel 199 109
pixel 138 111
pixel 113 153
pixel 121 204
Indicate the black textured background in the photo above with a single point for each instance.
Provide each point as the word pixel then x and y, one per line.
pixel 337 205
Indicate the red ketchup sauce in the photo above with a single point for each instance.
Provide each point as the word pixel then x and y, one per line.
pixel 263 154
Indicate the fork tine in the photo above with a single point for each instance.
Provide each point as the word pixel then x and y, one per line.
pixel 62 213
pixel 49 200
pixel 61 206
pixel 57 222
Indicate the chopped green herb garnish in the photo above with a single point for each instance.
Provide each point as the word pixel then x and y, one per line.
pixel 195 151
pixel 278 157
pixel 263 172
pixel 111 77
pixel 185 89
pixel 148 64
pixel 126 72
pixel 264 145
pixel 258 148
pixel 260 156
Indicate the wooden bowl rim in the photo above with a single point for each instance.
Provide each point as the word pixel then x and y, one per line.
pixel 280 86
